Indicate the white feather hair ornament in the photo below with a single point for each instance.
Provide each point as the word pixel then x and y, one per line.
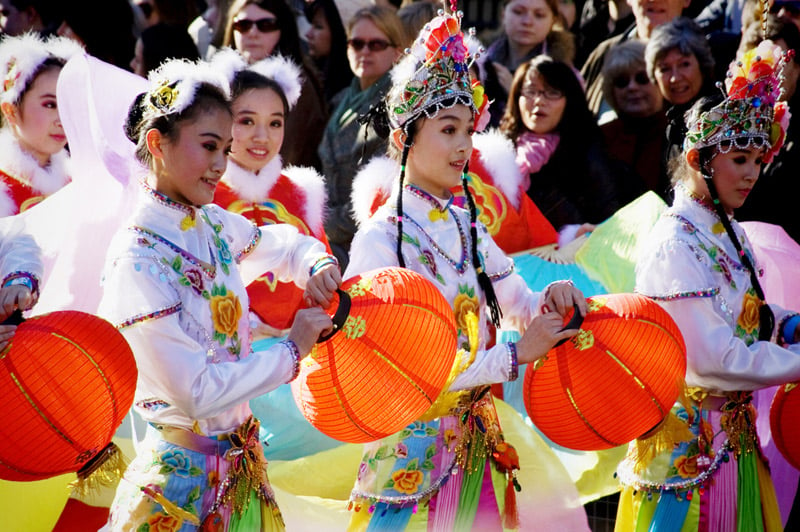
pixel 285 73
pixel 21 57
pixel 173 85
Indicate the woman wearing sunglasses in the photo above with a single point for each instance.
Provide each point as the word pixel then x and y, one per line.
pixel 262 28
pixel 375 41
pixel 559 147
pixel 635 136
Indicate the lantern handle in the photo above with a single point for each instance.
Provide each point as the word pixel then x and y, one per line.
pixel 339 317
pixel 574 323
pixel 15 318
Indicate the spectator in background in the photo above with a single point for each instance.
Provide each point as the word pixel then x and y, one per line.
pixel 19 16
pixel 208 28
pixel 560 146
pixel 648 15
pixel 375 41
pixel 160 42
pixel 680 61
pixel 327 44
pixel 636 136
pixel 600 20
pixel 415 15
pixel 111 39
pixel 529 28
pixel 261 28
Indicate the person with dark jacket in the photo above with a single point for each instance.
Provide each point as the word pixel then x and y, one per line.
pixel 560 147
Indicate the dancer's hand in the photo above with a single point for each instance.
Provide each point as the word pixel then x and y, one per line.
pixel 13 297
pixel 561 296
pixel 309 324
pixel 322 286
pixel 541 336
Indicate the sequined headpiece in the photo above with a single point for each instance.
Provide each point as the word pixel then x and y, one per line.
pixel 173 85
pixel 751 114
pixel 435 73
pixel 22 56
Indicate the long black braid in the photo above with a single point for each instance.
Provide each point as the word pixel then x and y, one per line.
pixel 766 318
pixel 403 160
pixel 485 282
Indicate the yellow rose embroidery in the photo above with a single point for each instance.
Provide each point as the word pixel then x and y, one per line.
pixel 463 304
pixel 225 313
pixel 406 481
pixel 686 466
pixel 748 319
pixel 161 522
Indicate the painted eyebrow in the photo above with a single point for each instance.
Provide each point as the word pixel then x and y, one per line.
pixel 251 112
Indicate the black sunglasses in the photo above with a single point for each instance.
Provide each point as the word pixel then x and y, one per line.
pixel 623 80
pixel 264 25
pixel 374 45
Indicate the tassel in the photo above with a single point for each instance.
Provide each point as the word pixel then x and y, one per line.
pixel 510 518
pixel 471 320
pixel 103 469
pixel 673 431
pixel 506 461
pixel 155 493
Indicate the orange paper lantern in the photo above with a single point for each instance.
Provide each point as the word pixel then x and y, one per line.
pixel 67 380
pixel 386 363
pixel 614 381
pixel 784 420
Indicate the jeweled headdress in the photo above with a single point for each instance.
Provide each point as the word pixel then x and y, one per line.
pixel 751 114
pixel 435 73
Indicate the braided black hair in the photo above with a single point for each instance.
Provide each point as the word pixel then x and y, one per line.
pixel 766 318
pixel 484 281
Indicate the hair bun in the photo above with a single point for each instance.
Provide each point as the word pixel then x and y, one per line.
pixel 134 118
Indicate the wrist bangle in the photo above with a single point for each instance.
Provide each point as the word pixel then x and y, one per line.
pixel 790 328
pixel 513 363
pixel 292 347
pixel 22 278
pixel 321 263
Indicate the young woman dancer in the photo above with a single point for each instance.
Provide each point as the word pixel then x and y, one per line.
pixel 175 286
pixel 33 161
pixel 258 186
pixel 452 469
pixel 706 470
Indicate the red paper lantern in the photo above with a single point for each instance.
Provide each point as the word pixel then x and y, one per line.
pixel 67 380
pixel 784 420
pixel 386 364
pixel 614 381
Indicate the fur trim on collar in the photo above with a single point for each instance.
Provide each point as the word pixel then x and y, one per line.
pixel 497 154
pixel 7 205
pixel 313 185
pixel 249 185
pixel 21 165
pixel 377 178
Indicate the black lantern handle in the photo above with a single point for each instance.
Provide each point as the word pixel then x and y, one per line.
pixel 574 323
pixel 339 317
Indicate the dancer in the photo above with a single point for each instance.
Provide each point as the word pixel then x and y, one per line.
pixel 174 285
pixel 704 469
pixel 33 161
pixel 257 186
pixel 452 469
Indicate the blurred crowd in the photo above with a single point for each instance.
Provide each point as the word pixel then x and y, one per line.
pixel 591 92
